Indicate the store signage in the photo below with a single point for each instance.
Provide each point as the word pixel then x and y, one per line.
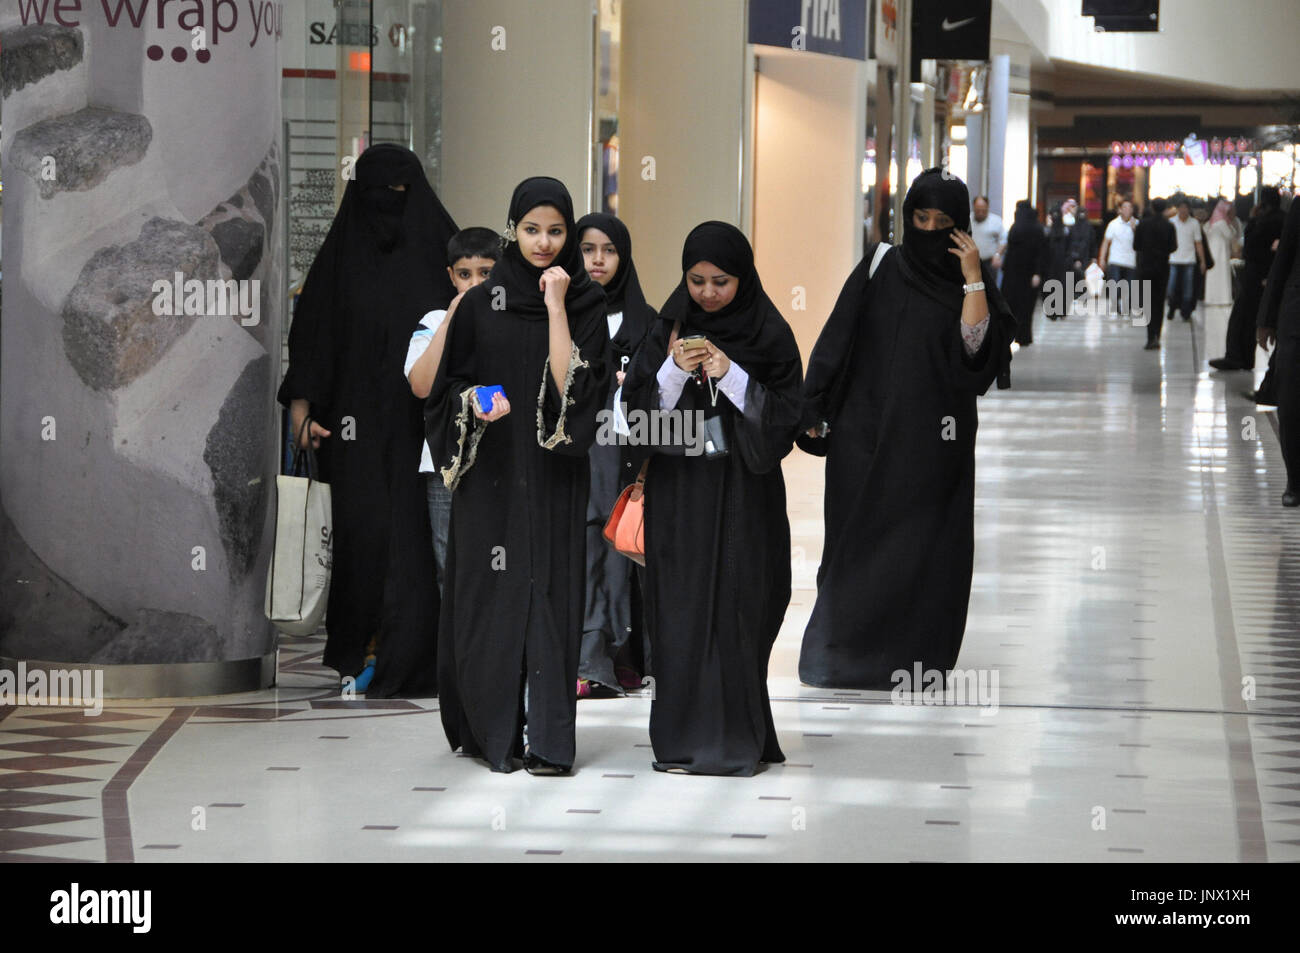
pixel 951 29
pixel 1191 151
pixel 833 27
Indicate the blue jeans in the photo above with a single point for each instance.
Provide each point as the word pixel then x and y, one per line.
pixel 1182 289
pixel 1121 302
pixel 440 520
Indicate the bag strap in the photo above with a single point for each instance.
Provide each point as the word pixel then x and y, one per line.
pixel 881 248
pixel 304 458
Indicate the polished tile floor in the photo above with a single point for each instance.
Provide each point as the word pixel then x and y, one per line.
pixel 1136 594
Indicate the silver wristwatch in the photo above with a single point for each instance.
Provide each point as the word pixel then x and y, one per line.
pixel 977 286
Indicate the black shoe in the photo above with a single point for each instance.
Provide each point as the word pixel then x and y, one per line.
pixel 1223 364
pixel 1290 498
pixel 1152 346
pixel 539 766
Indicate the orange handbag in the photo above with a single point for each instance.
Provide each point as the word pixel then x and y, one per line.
pixel 625 528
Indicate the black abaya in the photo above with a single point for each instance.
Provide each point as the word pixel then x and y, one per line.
pixel 1257 253
pixel 380 269
pixel 610 622
pixel 1279 311
pixel 891 376
pixel 513 605
pixel 717 536
pixel 1021 263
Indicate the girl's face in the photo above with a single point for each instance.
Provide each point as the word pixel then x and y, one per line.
pixel 541 235
pixel 599 256
pixel 711 287
pixel 931 219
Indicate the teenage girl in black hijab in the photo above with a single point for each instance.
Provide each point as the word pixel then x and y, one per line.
pixel 517 468
pixel 610 659
pixel 891 392
pixel 379 271
pixel 717 538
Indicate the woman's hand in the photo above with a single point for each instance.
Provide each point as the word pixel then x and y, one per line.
pixel 969 254
pixel 500 407
pixel 1035 282
pixel 298 411
pixel 554 285
pixel 717 364
pixel 689 360
pixel 622 376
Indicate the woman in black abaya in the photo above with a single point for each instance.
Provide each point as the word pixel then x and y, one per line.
pixel 1020 269
pixel 1055 262
pixel 891 392
pixel 380 269
pixel 516 562
pixel 609 659
pixel 717 538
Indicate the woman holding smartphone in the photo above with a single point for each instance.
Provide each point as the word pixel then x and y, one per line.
pixel 513 608
pixel 717 538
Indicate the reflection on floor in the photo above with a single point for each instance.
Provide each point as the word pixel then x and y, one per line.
pixel 1135 595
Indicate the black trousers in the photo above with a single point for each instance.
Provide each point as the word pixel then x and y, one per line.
pixel 1155 310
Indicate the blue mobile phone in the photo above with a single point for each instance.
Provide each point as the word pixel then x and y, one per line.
pixel 483 396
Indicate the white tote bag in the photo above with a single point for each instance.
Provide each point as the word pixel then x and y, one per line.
pixel 298 579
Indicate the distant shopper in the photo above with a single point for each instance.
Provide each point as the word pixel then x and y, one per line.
pixel 1262 232
pixel 1083 241
pixel 1223 238
pixel 1187 257
pixel 1022 269
pixel 1154 241
pixel 1056 264
pixel 990 235
pixel 1118 258
pixel 1279 319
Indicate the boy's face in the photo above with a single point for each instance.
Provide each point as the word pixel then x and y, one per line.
pixel 468 272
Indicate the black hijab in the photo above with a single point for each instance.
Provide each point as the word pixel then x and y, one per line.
pixel 749 330
pixel 623 293
pixel 378 233
pixel 519 276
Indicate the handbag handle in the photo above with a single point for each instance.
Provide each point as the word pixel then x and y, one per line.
pixel 304 458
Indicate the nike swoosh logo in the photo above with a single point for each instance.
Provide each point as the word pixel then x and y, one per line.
pixel 959 24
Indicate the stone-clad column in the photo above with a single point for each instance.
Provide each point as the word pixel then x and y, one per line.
pixel 139 343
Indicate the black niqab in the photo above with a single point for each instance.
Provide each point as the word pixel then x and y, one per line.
pixel 930 265
pixel 381 268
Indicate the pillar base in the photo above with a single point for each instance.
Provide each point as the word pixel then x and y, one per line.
pixel 180 680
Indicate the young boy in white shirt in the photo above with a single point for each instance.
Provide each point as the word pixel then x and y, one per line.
pixel 471 253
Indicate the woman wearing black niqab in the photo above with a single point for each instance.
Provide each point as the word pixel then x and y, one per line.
pixel 380 269
pixel 512 614
pixel 612 658
pixel 891 388
pixel 717 538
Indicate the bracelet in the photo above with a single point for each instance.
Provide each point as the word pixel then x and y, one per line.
pixel 968 289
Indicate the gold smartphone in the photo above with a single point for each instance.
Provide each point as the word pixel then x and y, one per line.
pixel 694 342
